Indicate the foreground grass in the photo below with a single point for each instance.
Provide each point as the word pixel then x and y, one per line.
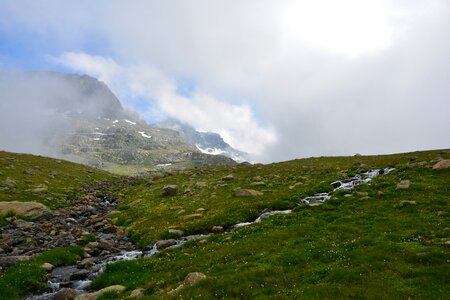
pixel 28 276
pixel 25 177
pixel 361 244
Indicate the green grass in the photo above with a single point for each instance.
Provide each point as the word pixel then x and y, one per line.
pixel 51 182
pixel 27 276
pixel 350 247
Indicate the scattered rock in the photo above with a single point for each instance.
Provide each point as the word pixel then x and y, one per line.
pixel 170 190
pixel 246 193
pixel 193 278
pixel 33 210
pixel 181 211
pixel 362 194
pixel 442 213
pixel 8 182
pixel 65 294
pixel 192 216
pixel 48 267
pixel 137 293
pixel 98 294
pixel 404 184
pixel 165 243
pixel 24 225
pixel 443 164
pixel 200 210
pixel 407 203
pixel 228 178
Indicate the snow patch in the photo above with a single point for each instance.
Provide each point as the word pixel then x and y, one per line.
pixel 211 151
pixel 164 165
pixel 144 135
pixel 130 122
pixel 115 121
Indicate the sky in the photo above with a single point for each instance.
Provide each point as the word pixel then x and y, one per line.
pixel 277 79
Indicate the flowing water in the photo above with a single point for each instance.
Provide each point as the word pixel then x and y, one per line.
pixel 61 277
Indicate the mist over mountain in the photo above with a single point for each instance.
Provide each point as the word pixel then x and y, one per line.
pixel 207 142
pixel 77 117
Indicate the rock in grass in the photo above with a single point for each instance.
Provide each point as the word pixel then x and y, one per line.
pixel 48 267
pixel 193 278
pixel 192 216
pixel 228 178
pixel 177 232
pixel 443 164
pixel 8 261
pixel 137 293
pixel 8 182
pixel 217 229
pixel 32 210
pixel 404 184
pixel 98 294
pixel 407 203
pixel 170 190
pixel 442 213
pixel 246 193
pixel 65 294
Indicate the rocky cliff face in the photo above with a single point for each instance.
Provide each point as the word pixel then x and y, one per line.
pixel 77 117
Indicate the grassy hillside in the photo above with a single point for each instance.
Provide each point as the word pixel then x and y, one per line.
pixel 25 177
pixel 364 243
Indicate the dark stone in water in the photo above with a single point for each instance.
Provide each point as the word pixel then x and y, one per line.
pixel 80 275
pixel 336 184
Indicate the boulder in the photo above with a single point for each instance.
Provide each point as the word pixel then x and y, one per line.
pixel 32 210
pixel 65 294
pixel 8 182
pixel 443 164
pixel 170 190
pixel 404 184
pixel 98 294
pixel 165 243
pixel 246 193
pixel 8 261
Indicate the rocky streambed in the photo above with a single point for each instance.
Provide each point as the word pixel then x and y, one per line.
pixel 88 219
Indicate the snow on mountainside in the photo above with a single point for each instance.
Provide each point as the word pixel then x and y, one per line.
pixel 77 117
pixel 207 142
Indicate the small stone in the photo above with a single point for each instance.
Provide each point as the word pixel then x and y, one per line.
pixel 217 229
pixel 228 178
pixel 192 216
pixel 291 187
pixel 137 293
pixel 423 253
pixel 380 193
pixel 407 203
pixel 246 193
pixel 442 213
pixel 80 275
pixel 200 210
pixel 181 211
pixel 404 184
pixel 258 183
pixel 201 184
pixel 362 194
pixel 9 182
pixel 29 172
pixel 443 164
pixel 48 267
pixel 170 190
pixel 65 294
pixel 193 278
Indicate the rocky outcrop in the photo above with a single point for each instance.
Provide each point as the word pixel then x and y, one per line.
pixel 443 164
pixel 32 210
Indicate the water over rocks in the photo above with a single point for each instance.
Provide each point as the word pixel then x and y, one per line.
pixel 90 214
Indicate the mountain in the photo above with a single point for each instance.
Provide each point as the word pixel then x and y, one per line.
pixel 206 142
pixel 77 117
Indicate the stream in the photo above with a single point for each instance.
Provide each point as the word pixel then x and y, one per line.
pixel 79 278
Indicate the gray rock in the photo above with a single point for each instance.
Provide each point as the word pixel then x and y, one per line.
pixel 178 232
pixel 8 261
pixel 443 164
pixel 170 190
pixel 404 184
pixel 9 183
pixel 407 203
pixel 165 243
pixel 228 178
pixel 246 193
pixel 137 293
pixel 217 229
pixel 193 278
pixel 29 172
pixel 442 213
pixel 192 216
pixel 48 267
pixel 33 210
pixel 80 275
pixel 98 294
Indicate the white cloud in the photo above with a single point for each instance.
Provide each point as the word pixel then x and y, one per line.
pixel 235 122
pixel 327 77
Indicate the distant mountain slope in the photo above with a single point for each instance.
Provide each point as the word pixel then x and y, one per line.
pixel 207 142
pixel 78 118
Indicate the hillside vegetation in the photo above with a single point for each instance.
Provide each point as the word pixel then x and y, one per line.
pixel 363 243
pixel 388 239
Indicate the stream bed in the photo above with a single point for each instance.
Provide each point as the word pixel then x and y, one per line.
pixel 78 277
